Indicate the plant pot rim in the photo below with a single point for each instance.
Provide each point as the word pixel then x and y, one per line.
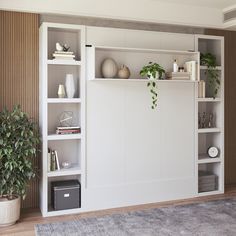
pixel 5 198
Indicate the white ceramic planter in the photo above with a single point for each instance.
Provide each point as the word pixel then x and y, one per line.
pixel 9 211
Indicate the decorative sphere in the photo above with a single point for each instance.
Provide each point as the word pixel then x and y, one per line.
pixel 109 68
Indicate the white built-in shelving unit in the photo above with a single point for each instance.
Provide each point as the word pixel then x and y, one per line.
pixel 70 147
pixel 109 157
pixel 214 136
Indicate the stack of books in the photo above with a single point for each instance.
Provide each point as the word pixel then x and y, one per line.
pixel 207 181
pixel 53 161
pixel 68 130
pixel 61 55
pixel 180 75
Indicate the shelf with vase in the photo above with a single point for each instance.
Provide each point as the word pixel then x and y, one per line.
pixel 134 59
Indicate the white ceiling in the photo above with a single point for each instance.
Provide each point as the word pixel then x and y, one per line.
pixel 220 4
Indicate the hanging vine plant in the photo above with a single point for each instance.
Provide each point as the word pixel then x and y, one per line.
pixel 211 73
pixel 153 72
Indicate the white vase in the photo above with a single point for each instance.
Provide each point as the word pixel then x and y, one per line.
pixel 61 91
pixel 70 86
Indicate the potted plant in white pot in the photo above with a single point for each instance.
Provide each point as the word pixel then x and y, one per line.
pixel 153 72
pixel 18 146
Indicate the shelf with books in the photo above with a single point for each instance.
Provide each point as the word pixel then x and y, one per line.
pixel 62 62
pixel 210 115
pixel 75 170
pixel 63 136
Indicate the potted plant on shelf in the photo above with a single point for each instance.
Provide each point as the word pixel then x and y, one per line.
pixel 153 72
pixel 212 75
pixel 19 140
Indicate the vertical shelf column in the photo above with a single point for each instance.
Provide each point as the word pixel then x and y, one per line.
pixel 210 121
pixel 70 147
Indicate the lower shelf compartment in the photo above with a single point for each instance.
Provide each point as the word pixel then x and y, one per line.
pixel 52 212
pixel 210 178
pixel 210 193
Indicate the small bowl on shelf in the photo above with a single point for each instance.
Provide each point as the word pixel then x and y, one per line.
pixel 66 164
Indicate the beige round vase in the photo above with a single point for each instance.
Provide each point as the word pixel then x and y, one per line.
pixel 9 211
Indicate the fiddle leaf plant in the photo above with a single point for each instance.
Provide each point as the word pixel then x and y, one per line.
pixel 153 72
pixel 211 73
pixel 19 141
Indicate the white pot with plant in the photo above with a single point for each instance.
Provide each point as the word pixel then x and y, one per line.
pixel 18 146
pixel 153 72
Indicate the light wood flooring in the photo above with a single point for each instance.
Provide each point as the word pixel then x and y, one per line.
pixel 25 226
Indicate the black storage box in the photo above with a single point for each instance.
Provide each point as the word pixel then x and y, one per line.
pixel 65 194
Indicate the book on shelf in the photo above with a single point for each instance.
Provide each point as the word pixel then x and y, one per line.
pixel 68 130
pixel 180 76
pixel 49 159
pixel 57 161
pixel 53 160
pixel 63 55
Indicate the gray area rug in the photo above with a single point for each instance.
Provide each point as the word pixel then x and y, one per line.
pixel 215 218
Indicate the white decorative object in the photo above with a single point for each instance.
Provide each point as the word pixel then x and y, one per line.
pixel 66 164
pixel 109 68
pixel 10 211
pixel 213 152
pixel 124 72
pixel 59 48
pixel 66 118
pixel 61 91
pixel 70 86
pixel 175 66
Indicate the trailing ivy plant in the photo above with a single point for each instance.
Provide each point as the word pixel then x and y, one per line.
pixel 211 73
pixel 153 72
pixel 19 140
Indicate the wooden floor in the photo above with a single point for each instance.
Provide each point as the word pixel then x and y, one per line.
pixel 25 226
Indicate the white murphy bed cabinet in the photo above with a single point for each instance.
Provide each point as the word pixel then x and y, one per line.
pixel 127 153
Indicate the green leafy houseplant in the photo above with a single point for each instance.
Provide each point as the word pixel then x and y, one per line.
pixel 153 72
pixel 18 146
pixel 212 74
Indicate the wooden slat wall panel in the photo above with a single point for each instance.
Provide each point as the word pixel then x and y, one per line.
pixel 230 103
pixel 19 71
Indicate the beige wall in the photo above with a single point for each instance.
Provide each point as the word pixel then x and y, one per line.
pixel 19 71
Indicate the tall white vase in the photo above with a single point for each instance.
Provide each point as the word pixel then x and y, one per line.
pixel 70 86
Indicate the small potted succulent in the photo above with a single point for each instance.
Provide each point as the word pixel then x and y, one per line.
pixel 212 75
pixel 153 72
pixel 19 140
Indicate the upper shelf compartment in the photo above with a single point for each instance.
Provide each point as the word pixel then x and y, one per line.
pixel 135 59
pixel 69 36
pixel 213 45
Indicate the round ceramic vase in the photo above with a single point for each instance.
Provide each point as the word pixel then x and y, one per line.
pixel 109 68
pixel 124 72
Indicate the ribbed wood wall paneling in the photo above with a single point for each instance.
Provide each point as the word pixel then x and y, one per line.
pixel 230 102
pixel 19 75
